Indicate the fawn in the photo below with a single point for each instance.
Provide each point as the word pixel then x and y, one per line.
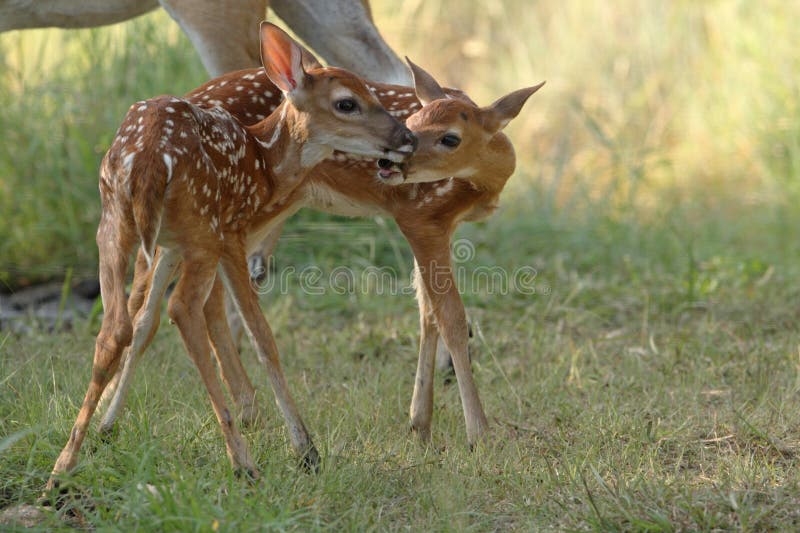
pixel 457 138
pixel 204 189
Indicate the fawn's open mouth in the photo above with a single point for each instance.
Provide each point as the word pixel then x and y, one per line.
pixel 390 172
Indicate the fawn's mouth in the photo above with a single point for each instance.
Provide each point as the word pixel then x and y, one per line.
pixel 390 173
pixel 397 155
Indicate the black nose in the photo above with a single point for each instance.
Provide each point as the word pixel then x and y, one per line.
pixel 385 164
pixel 410 138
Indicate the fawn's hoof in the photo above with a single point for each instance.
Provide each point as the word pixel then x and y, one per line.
pixel 423 434
pixel 310 461
pixel 107 432
pixel 247 472
pixel 250 417
pixel 58 496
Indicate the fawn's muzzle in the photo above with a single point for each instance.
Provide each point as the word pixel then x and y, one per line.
pixel 405 142
pixel 403 145
pixel 409 140
pixel 391 173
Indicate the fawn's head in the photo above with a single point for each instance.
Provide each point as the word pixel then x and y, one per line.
pixel 334 109
pixel 456 137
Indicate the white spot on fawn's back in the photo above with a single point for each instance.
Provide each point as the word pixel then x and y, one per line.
pixel 169 161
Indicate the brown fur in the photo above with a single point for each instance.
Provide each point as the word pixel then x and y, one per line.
pixel 200 185
pixel 427 213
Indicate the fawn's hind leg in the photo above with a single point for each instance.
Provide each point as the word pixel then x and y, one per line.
pixel 115 245
pixel 185 308
pixel 145 325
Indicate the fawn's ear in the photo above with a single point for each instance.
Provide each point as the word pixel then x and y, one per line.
pixel 282 58
pixel 499 114
pixel 427 88
pixel 309 60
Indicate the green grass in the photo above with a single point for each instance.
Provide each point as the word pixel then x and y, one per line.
pixel 651 383
pixel 617 403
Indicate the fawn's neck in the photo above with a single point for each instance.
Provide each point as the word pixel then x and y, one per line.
pixel 287 146
pixel 496 164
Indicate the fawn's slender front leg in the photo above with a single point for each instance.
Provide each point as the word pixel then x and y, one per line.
pixel 236 278
pixel 422 400
pixel 145 325
pixel 193 288
pixel 435 270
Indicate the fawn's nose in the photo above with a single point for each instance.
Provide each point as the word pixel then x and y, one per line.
pixel 409 139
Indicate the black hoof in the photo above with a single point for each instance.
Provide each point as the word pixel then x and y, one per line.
pixel 55 495
pixel 249 474
pixel 310 461
pixel 107 434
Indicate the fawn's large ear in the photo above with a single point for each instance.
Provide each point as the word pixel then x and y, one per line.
pixel 427 88
pixel 309 60
pixel 282 58
pixel 499 114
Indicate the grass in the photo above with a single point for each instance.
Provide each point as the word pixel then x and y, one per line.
pixel 615 405
pixel 650 382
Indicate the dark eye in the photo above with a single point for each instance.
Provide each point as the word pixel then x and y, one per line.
pixel 451 140
pixel 346 105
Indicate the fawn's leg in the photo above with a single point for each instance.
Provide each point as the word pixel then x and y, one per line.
pixel 230 364
pixel 185 308
pixel 165 263
pixel 422 400
pixel 432 253
pixel 115 244
pixel 258 264
pixel 237 282
pixel 139 287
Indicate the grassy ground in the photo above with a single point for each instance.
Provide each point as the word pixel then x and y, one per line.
pixel 651 380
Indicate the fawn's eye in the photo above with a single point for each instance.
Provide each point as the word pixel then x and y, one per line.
pixel 450 140
pixel 346 105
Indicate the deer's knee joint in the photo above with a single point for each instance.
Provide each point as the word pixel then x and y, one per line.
pixel 177 310
pixel 116 340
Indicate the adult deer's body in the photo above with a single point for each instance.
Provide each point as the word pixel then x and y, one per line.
pixel 202 187
pixel 459 139
pixel 225 32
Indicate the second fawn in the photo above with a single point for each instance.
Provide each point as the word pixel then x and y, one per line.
pixel 205 189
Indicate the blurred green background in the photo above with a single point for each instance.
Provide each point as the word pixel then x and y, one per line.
pixel 668 131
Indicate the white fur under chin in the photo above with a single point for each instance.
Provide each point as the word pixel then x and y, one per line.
pixel 313 154
pixel 425 176
pixel 394 180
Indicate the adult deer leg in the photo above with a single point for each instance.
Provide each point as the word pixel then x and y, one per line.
pixel 115 245
pixel 343 33
pixel 194 285
pixel 236 278
pixel 225 34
